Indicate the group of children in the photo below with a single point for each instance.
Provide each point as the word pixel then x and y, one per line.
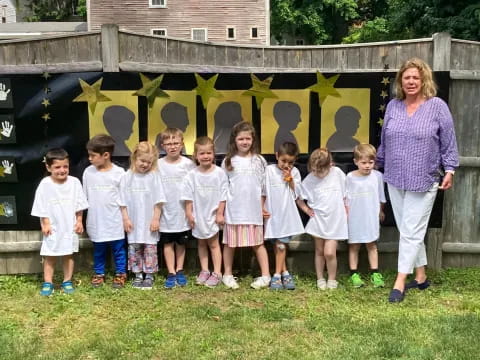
pixel 163 200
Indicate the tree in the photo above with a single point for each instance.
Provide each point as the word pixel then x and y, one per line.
pixel 54 10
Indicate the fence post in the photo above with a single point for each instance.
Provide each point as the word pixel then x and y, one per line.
pixel 110 48
pixel 442 43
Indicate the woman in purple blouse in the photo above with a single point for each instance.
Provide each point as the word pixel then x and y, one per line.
pixel 417 145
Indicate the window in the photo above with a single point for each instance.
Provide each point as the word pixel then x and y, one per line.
pixel 254 33
pixel 299 42
pixel 159 32
pixel 199 34
pixel 158 3
pixel 230 33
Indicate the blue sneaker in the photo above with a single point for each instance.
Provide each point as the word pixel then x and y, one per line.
pixel 276 283
pixel 288 282
pixel 47 289
pixel 171 281
pixel 67 287
pixel 181 279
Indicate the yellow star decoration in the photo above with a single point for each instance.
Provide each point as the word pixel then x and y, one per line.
pixel 206 89
pixel 46 75
pixel 151 89
pixel 46 116
pixel 2 210
pixel 324 87
pixel 384 94
pixel 385 81
pixel 260 90
pixel 46 102
pixel 380 122
pixel 381 107
pixel 2 171
pixel 91 94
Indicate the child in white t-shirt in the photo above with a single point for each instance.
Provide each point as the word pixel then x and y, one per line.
pixel 282 183
pixel 59 203
pixel 141 199
pixel 174 227
pixel 243 213
pixel 365 200
pixel 324 190
pixel 101 183
pixel 204 193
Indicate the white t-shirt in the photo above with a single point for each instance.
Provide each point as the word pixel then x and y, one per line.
pixel 104 218
pixel 364 195
pixel 244 196
pixel 326 197
pixel 139 193
pixel 280 203
pixel 206 190
pixel 59 203
pixel 172 175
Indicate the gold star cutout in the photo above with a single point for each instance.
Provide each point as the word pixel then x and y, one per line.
pixel 382 107
pixel 151 89
pixel 91 94
pixel 385 81
pixel 46 117
pixel 384 94
pixel 380 121
pixel 46 102
pixel 46 90
pixel 46 75
pixel 206 89
pixel 260 90
pixel 2 171
pixel 324 87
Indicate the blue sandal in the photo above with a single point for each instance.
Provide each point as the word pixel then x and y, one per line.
pixel 414 284
pixel 67 287
pixel 396 296
pixel 47 289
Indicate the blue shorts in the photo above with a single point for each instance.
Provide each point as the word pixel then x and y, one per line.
pixel 284 240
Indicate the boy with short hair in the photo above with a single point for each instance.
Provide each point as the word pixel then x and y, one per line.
pixel 101 183
pixel 174 227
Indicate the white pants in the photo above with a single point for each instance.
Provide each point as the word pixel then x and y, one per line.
pixel 412 211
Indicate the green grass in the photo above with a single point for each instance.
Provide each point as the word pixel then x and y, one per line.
pixel 442 322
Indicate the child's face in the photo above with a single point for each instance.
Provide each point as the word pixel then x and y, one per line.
pixel 173 146
pixel 285 162
pixel 59 170
pixel 243 142
pixel 322 172
pixel 143 163
pixel 205 155
pixel 365 165
pixel 98 160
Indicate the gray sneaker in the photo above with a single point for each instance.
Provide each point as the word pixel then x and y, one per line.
pixel 213 280
pixel 137 283
pixel 148 283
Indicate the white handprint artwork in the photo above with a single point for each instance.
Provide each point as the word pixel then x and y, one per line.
pixel 7 166
pixel 3 93
pixel 6 128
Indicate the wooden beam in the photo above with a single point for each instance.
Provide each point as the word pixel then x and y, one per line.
pixel 465 74
pixel 110 48
pixel 461 248
pixel 442 43
pixel 469 161
pixel 52 68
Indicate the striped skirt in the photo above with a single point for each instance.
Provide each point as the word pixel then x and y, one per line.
pixel 242 235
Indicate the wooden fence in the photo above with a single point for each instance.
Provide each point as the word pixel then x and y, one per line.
pixel 456 244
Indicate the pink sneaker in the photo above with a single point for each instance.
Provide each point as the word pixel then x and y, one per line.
pixel 213 280
pixel 202 277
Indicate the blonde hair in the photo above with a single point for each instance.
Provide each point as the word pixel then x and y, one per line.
pixel 144 148
pixel 168 133
pixel 364 151
pixel 232 145
pixel 202 141
pixel 320 160
pixel 429 88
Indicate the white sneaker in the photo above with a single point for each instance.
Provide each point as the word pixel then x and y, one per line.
pixel 332 284
pixel 230 282
pixel 261 282
pixel 322 284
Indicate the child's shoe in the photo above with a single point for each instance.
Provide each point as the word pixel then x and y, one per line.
pixel 98 280
pixel 181 279
pixel 261 282
pixel 213 280
pixel 276 283
pixel 332 284
pixel 148 282
pixel 119 281
pixel 356 280
pixel 47 289
pixel 288 282
pixel 67 287
pixel 322 284
pixel 377 279
pixel 230 282
pixel 137 283
pixel 202 277
pixel 171 281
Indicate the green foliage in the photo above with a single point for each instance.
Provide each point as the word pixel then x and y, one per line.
pixel 55 10
pixel 82 8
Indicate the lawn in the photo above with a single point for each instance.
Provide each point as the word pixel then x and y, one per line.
pixel 195 322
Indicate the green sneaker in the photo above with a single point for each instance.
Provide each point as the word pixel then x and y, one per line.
pixel 356 280
pixel 377 279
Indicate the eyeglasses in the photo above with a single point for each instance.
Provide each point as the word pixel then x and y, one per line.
pixel 175 144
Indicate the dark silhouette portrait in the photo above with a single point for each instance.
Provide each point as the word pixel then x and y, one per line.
pixel 287 115
pixel 118 121
pixel 347 121
pixel 173 115
pixel 226 116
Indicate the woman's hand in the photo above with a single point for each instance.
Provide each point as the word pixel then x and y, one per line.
pixel 447 181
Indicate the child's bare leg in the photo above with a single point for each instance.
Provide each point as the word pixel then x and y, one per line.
pixel 228 254
pixel 49 268
pixel 203 254
pixel 330 253
pixel 280 255
pixel 372 255
pixel 169 255
pixel 262 258
pixel 353 250
pixel 179 256
pixel 214 246
pixel 67 267
pixel 319 257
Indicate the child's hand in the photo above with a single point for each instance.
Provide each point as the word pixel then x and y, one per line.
pixel 127 226
pixel 46 227
pixel 309 211
pixel 191 221
pixel 382 216
pixel 265 213
pixel 78 228
pixel 220 219
pixel 287 175
pixel 154 225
